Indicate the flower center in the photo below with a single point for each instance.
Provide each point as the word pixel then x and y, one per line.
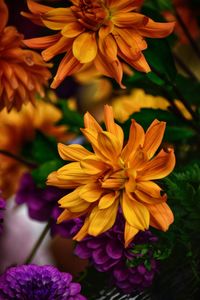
pixel 91 13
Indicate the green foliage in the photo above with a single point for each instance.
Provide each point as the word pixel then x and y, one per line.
pixel 160 5
pixel 176 130
pixel 71 117
pixel 41 173
pixel 180 276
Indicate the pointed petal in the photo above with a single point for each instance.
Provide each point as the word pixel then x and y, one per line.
pixel 42 42
pixel 159 167
pixel 67 67
pixel 161 216
pixel 72 30
pixel 111 126
pixel 110 145
pixel 36 8
pixel 156 30
pixel 73 152
pixel 136 214
pixel 91 192
pixel 129 234
pixel 61 46
pixel 153 137
pixel 136 139
pixel 60 183
pixel 102 220
pixel 93 165
pixel 57 18
pixel 91 123
pixel 67 215
pixel 111 69
pixel 72 172
pixel 107 200
pixel 73 202
pixel 83 231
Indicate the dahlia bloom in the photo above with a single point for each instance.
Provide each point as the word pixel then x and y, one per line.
pixel 101 33
pixel 2 208
pixel 115 175
pixel 107 254
pixel 19 128
pixel 38 283
pixel 23 72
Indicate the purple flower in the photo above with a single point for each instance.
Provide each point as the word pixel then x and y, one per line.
pixel 38 283
pixel 2 208
pixel 42 206
pixel 132 269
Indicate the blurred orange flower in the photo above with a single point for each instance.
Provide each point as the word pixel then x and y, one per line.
pixel 99 32
pixel 115 176
pixel 189 17
pixel 18 128
pixel 22 72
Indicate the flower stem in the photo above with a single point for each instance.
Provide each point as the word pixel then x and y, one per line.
pixel 180 98
pixel 37 244
pixel 187 33
pixel 20 159
pixel 185 68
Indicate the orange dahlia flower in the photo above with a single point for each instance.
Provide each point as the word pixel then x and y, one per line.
pixel 189 17
pixel 99 32
pixel 23 72
pixel 18 128
pixel 115 175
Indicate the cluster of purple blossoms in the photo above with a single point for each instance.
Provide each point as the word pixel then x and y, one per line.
pixel 34 282
pixel 133 268
pixel 42 206
pixel 2 208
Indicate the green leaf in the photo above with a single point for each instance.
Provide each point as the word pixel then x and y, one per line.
pixel 70 117
pixel 41 173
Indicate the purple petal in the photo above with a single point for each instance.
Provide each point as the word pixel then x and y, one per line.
pixel 114 249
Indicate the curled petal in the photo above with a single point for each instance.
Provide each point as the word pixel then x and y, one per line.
pixel 57 18
pixel 156 30
pixel 153 137
pixel 159 167
pixel 72 152
pixel 161 216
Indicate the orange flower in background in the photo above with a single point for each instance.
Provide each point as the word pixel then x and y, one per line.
pixel 189 17
pixel 18 128
pixel 22 72
pixel 115 175
pixel 99 32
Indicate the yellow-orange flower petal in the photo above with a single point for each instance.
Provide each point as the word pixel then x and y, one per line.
pixel 114 177
pixel 104 33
